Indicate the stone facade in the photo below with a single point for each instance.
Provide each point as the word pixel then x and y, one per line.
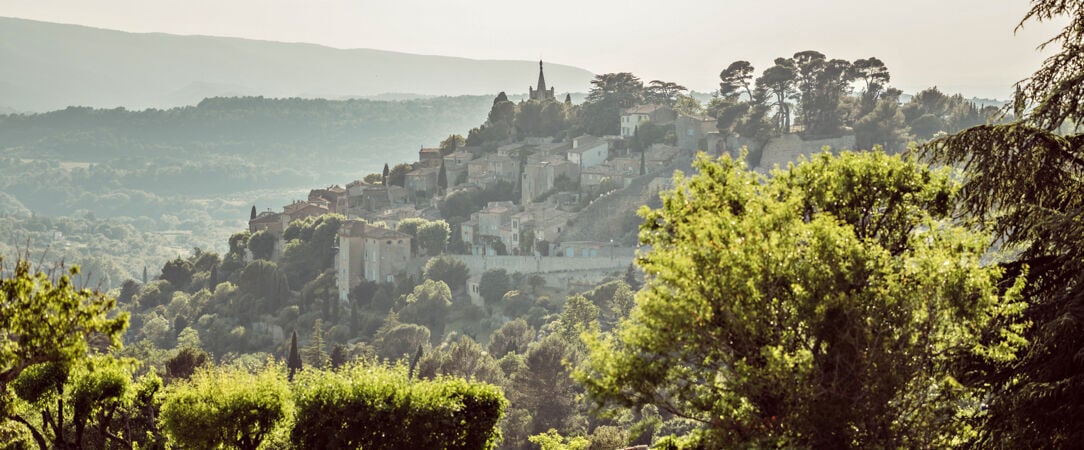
pixel 369 253
pixel 490 169
pixel 539 176
pixel 789 147
pixel 691 129
pixel 455 166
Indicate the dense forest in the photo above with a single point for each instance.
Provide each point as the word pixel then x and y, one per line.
pixel 914 295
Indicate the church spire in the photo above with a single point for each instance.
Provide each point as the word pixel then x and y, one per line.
pixel 541 94
pixel 541 78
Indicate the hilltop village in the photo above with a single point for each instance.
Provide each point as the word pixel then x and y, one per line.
pixel 512 204
pixel 529 196
pixel 561 205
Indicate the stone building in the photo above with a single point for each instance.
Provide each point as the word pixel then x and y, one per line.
pixel 631 118
pixel 369 253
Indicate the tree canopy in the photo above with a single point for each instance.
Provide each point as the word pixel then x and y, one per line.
pixel 1024 184
pixel 842 279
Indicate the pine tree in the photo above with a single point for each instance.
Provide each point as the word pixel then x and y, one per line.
pixel 315 353
pixel 293 360
pixel 338 356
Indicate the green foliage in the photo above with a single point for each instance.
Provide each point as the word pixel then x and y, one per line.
pixel 397 175
pixel 512 337
pixel 578 316
pixel 451 271
pixel 428 305
pixel 822 307
pixel 545 388
pixel 293 359
pixel 178 272
pixel 48 321
pixel 186 362
pixel 398 340
pixel 1023 183
pixel 461 358
pixel 493 285
pixel 376 407
pixel 316 353
pixel 609 94
pixel 432 236
pixel 81 405
pixel 552 440
pixel 262 244
pixel 516 303
pixel 227 407
pixel 263 287
pixel 311 251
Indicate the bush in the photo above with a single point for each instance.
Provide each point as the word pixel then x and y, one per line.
pixel 374 407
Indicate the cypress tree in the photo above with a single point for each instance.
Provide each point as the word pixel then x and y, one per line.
pixel 213 279
pixel 252 215
pixel 442 179
pixel 293 360
pixel 384 179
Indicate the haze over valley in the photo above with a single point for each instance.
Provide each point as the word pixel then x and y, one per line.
pixel 493 225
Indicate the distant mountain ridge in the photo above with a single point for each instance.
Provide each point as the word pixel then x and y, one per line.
pixel 47 66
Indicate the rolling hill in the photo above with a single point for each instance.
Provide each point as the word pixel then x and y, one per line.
pixel 47 66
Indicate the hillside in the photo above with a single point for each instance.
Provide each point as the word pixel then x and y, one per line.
pixel 50 66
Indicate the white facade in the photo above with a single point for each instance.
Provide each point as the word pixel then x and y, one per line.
pixel 588 151
pixel 630 122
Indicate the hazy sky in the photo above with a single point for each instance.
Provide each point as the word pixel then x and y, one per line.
pixel 959 45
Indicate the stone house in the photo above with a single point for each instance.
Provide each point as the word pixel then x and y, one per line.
pixel 493 223
pixel 588 151
pixel 267 220
pixel 628 166
pixel 362 198
pixel 547 220
pixel 455 166
pixel 539 177
pixel 301 209
pixel 631 118
pixel 369 253
pixel 512 149
pixel 430 157
pixel 690 130
pixel 489 169
pixel 334 197
pixel 422 181
pixel 592 177
pixel 659 156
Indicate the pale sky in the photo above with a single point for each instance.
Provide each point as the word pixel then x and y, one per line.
pixel 965 46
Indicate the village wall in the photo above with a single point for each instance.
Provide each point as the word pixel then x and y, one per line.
pixel 789 147
pixel 546 264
